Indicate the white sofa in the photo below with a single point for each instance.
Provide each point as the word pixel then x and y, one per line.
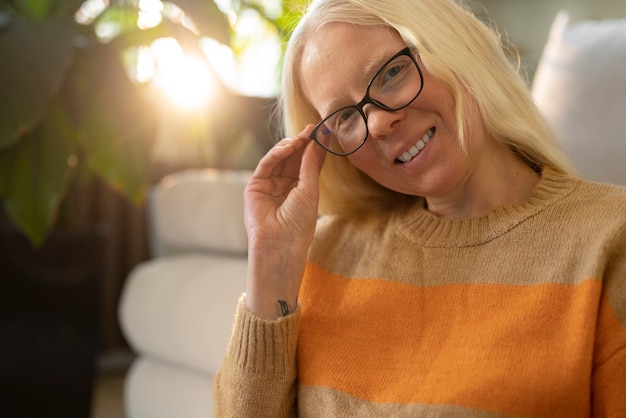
pixel 177 309
pixel 580 86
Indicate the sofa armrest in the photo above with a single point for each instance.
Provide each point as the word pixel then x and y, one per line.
pixel 198 211
pixel 181 308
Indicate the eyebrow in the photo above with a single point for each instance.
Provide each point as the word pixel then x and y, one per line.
pixel 374 65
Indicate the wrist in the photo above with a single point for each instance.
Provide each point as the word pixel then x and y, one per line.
pixel 275 270
pixel 269 308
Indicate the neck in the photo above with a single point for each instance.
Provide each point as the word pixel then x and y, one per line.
pixel 496 180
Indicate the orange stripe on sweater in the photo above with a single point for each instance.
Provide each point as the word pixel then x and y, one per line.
pixel 523 350
pixel 610 365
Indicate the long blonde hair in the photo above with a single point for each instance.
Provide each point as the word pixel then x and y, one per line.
pixel 456 48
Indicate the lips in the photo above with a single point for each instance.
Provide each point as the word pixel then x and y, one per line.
pixel 412 152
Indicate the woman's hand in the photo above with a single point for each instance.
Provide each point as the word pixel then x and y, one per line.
pixel 281 202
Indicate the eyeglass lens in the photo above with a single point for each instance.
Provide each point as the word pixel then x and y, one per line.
pixel 393 87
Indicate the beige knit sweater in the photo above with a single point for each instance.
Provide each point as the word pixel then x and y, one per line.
pixel 521 312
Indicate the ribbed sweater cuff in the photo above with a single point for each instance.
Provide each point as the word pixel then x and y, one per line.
pixel 264 347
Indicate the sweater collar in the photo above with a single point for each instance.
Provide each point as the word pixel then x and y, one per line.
pixel 427 229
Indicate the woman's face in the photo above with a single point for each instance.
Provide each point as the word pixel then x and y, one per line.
pixel 338 62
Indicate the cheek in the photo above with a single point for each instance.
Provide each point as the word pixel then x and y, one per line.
pixel 367 158
pixel 370 163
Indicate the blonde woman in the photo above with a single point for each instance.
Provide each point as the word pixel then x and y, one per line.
pixel 459 267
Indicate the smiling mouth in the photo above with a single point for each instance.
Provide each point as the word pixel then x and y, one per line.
pixel 415 149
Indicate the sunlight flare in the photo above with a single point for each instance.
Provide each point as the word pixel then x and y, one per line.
pixel 186 80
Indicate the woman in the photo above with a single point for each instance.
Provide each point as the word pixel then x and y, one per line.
pixel 459 267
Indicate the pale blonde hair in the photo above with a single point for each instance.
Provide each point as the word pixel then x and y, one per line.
pixel 456 48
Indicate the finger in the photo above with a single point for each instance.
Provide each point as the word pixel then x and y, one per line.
pixel 313 156
pixel 312 162
pixel 274 160
pixel 285 158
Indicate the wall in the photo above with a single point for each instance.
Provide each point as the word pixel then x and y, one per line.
pixel 527 22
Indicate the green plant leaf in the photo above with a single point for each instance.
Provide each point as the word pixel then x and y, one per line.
pixel 208 18
pixel 116 124
pixel 292 13
pixel 34 174
pixel 36 57
pixel 33 8
pixel 42 9
pixel 121 15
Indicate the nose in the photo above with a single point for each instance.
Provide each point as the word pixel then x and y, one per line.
pixel 381 122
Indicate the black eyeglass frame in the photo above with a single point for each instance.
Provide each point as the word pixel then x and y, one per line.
pixel 367 99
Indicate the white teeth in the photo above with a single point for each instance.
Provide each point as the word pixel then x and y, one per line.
pixel 415 149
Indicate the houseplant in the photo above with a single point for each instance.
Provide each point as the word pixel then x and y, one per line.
pixel 69 110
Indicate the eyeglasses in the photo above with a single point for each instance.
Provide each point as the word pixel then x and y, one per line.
pixel 395 86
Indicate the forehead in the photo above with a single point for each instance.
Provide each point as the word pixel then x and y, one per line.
pixel 339 60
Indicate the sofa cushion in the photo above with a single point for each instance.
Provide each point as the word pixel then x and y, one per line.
pixel 581 88
pixel 198 210
pixel 154 389
pixel 180 309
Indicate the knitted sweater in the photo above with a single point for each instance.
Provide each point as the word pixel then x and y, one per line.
pixel 521 312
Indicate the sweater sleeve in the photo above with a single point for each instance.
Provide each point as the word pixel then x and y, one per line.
pixel 258 375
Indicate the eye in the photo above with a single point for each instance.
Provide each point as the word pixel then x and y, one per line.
pixel 392 72
pixel 395 72
pixel 343 119
pixel 345 115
